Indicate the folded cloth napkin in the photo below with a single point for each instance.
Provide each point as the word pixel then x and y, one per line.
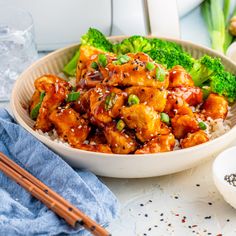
pixel 20 213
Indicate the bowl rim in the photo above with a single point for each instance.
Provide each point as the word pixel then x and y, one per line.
pixel 215 172
pixel 169 154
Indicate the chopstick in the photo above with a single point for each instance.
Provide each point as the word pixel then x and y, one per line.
pixel 51 199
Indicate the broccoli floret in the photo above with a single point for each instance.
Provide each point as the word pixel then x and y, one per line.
pixel 224 83
pixel 163 44
pixel 164 52
pixel 171 57
pixel 204 68
pixel 96 39
pixel 132 44
pixel 211 72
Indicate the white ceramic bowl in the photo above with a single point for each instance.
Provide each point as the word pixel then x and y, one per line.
pixel 225 164
pixel 114 165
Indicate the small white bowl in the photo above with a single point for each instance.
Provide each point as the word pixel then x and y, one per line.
pixel 225 164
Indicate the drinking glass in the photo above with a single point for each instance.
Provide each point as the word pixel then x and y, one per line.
pixel 17 46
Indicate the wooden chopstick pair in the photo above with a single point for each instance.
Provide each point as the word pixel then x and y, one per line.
pixel 51 199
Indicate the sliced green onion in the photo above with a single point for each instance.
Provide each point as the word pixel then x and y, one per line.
pixel 133 99
pixel 122 59
pixel 42 95
pixel 35 111
pixel 206 92
pixel 73 96
pixel 165 118
pixel 150 66
pixel 94 65
pixel 120 125
pixel 202 125
pixel 110 101
pixel 160 74
pixel 102 60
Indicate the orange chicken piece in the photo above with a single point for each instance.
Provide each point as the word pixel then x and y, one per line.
pixel 120 142
pixel 161 143
pixel 192 95
pixel 178 76
pixel 194 139
pixel 143 119
pixel 183 124
pixel 134 73
pixel 150 96
pixel 105 103
pixel 177 106
pixel 86 75
pixel 56 90
pixel 70 126
pixel 215 107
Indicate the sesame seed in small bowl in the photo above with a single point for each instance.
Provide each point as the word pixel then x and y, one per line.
pixel 224 174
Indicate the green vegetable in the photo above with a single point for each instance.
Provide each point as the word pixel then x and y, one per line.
pixel 120 125
pixel 94 65
pixel 96 39
pixel 132 44
pixel 226 9
pixel 73 96
pixel 122 59
pixel 110 101
pixel 35 111
pixel 163 52
pixel 206 90
pixel 211 72
pixel 171 57
pixel 202 125
pixel 70 67
pixel 160 74
pixel 165 118
pixel 150 66
pixel 133 99
pixel 216 20
pixel 102 60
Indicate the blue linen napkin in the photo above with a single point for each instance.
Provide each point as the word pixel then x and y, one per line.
pixel 20 213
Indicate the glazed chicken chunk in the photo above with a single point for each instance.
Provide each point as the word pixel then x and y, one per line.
pixel 70 126
pixel 161 143
pixel 184 124
pixel 56 90
pixel 105 103
pixel 215 107
pixel 120 142
pixel 87 73
pixel 152 97
pixel 144 119
pixel 191 95
pixel 194 139
pixel 135 73
pixel 178 77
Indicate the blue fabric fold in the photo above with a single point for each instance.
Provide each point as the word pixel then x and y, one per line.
pixel 20 213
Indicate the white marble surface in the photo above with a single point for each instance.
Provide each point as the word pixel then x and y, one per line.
pixel 175 204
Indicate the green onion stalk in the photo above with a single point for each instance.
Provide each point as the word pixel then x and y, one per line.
pixel 216 19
